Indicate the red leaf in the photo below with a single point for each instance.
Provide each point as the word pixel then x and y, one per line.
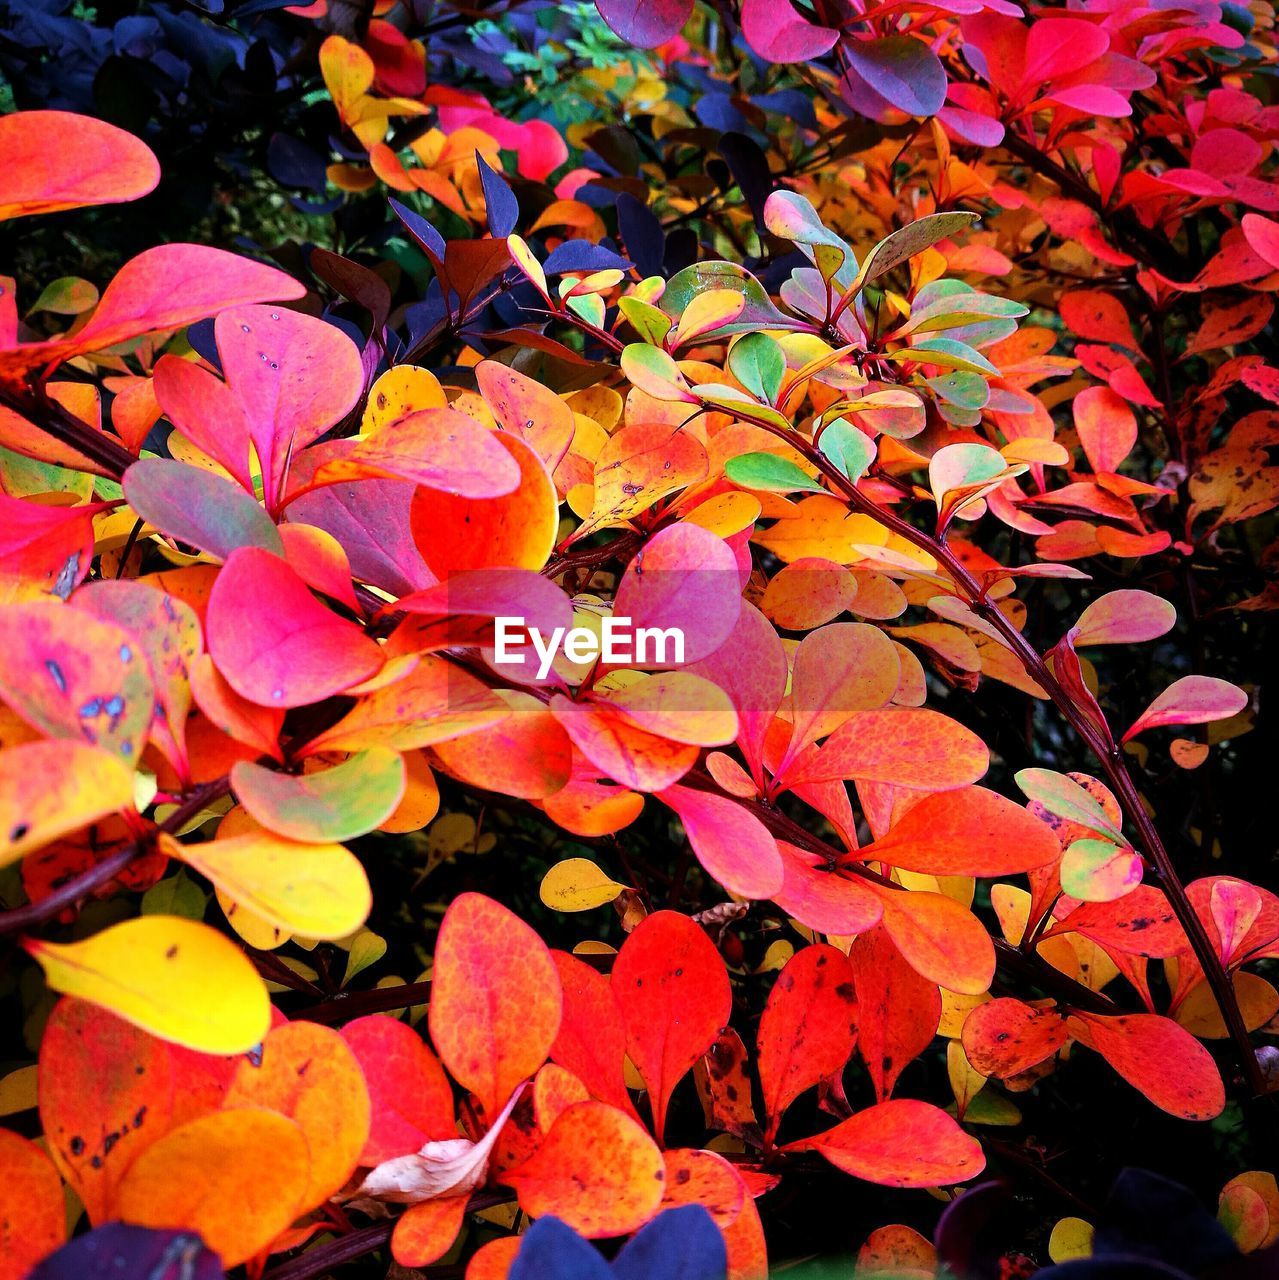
pixel 897 1009
pixel 731 843
pixel 1106 426
pixel 1158 1058
pixel 808 1028
pixel 591 1041
pixel 161 289
pixel 1005 1037
pixel 673 991
pixel 411 1102
pixel 823 899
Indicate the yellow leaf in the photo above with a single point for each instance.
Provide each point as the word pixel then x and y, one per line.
pixel 577 884
pixel 175 978
pixel 1071 1238
pixel 50 789
pixel 317 890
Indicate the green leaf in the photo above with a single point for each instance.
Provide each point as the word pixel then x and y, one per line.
pixel 176 895
pixel 757 362
pixel 651 324
pixel 851 450
pixel 759 311
pixel 770 473
pixel 654 372
pixel 907 241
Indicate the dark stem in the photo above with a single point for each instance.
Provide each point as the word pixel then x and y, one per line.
pixel 102 873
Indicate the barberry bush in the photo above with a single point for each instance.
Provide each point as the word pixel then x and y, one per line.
pixel 905 370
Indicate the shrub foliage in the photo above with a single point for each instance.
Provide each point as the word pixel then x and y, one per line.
pixel 911 362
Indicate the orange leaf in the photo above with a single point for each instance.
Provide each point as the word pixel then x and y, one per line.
pixel 495 999
pixel 106 1094
pixel 1106 426
pixel 56 160
pixel 904 746
pixel 825 900
pixel 1004 1037
pixel 596 1170
pixel 900 1143
pixel 425 1232
pixel 808 1028
pixel 237 1178
pixel 436 701
pixel 940 939
pixel 33 1218
pixel 972 832
pixel 514 531
pixel 527 409
pixel 307 1073
pixel 674 995
pixel 438 448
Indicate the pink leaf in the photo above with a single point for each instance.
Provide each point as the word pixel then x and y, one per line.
pixel 1191 700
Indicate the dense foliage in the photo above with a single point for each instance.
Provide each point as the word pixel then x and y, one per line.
pixel 910 361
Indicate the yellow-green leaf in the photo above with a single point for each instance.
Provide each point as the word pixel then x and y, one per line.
pixel 349 800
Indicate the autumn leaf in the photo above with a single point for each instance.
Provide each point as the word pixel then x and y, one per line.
pixel 900 1143
pixel 596 1170
pixel 74 676
pixel 348 800
pixel 1139 1046
pixel 1005 1037
pixel 317 890
pixel 308 1074
pixel 808 1028
pixel 674 995
pixel 61 160
pixel 411 1103
pixel 32 1217
pixel 495 999
pixel 297 651
pixel 237 1178
pixel 50 789
pixel 175 978
pixel 106 1092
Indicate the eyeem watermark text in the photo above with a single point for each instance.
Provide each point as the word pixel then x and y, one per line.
pixel 617 642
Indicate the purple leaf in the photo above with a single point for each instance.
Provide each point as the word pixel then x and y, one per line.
pixel 904 72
